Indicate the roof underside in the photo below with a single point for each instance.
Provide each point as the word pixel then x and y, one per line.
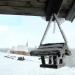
pixel 63 8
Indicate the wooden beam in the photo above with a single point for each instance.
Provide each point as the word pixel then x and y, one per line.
pixel 21 11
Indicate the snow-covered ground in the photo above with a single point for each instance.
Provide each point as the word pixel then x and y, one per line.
pixel 9 65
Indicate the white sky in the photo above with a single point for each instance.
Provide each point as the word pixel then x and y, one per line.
pixel 17 30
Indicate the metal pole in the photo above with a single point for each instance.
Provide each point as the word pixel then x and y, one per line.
pixel 63 35
pixel 46 30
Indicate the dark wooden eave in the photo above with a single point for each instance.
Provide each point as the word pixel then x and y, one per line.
pixel 64 8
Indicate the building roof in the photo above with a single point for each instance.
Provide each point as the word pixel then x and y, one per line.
pixel 64 8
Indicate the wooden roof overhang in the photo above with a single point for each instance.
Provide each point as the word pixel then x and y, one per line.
pixel 63 8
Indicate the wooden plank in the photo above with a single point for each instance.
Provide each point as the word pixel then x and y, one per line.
pixel 21 11
pixel 22 3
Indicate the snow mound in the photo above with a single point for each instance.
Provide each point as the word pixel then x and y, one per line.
pixel 30 66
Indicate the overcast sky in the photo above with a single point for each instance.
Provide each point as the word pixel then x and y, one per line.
pixel 18 30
